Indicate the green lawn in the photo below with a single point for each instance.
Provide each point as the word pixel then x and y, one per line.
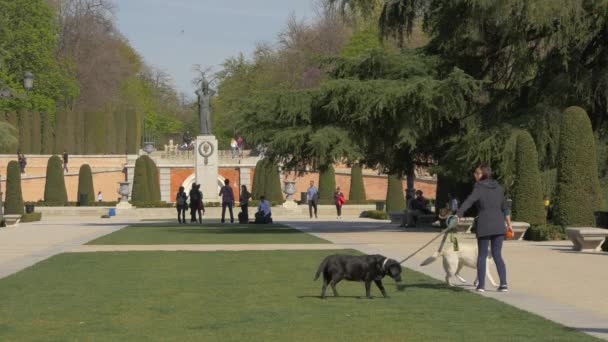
pixel 208 233
pixel 242 296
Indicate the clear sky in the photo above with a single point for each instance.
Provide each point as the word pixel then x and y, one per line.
pixel 212 30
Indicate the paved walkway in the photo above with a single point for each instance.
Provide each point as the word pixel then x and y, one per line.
pixel 29 243
pixel 545 278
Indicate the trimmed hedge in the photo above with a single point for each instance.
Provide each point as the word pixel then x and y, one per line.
pixel 327 185
pixel 140 191
pixel 153 179
pixel 54 189
pixel 13 204
pixel 545 233
pixel 259 179
pixel 274 193
pixel 395 198
pixel 73 204
pixel 85 185
pixel 578 192
pixel 31 217
pixel 376 214
pixel 357 187
pixel 527 192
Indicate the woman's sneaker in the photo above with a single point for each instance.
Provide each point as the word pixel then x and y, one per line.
pixel 503 288
pixel 479 289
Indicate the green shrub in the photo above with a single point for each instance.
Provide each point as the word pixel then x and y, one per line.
pixel 395 199
pixel 273 184
pixel 357 187
pixel 545 233
pixel 153 204
pixel 377 214
pixel 259 179
pixel 72 204
pixel 527 191
pixel 153 180
pixel 578 188
pixel 327 185
pixel 85 185
pixel 31 217
pixel 54 189
pixel 140 192
pixel 14 197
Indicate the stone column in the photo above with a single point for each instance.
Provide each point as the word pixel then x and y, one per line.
pixel 165 184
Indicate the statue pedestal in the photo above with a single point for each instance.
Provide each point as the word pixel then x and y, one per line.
pixel 206 166
pixel 290 204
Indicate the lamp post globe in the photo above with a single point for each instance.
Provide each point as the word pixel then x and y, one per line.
pixel 28 81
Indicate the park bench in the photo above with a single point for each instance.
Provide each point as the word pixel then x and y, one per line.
pixel 12 220
pixel 587 238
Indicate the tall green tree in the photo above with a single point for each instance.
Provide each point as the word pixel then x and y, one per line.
pixel 578 187
pixel 395 197
pixel 327 184
pixel 14 198
pixel 54 188
pixel 272 183
pixel 8 137
pixel 153 179
pixel 259 179
pixel 85 185
pixel 357 187
pixel 527 191
pixel 141 190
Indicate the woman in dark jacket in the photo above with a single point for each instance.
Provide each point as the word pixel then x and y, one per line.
pixel 490 199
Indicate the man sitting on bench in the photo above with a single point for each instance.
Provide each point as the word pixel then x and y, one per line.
pixel 264 214
pixel 417 206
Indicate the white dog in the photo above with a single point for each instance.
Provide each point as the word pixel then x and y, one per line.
pixel 454 261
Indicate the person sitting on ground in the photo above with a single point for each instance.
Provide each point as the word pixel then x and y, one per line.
pixel 264 214
pixel 418 206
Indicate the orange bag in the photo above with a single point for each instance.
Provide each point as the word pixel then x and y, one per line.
pixel 509 233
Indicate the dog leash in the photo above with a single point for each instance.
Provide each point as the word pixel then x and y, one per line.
pixel 452 222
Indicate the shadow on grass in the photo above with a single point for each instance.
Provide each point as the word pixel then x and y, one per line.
pixel 339 297
pixel 355 227
pixel 431 287
pixel 214 230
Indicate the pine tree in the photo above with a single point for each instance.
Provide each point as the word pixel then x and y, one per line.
pixel 527 192
pixel 14 197
pixel 140 191
pixel 395 199
pixel 327 185
pixel 357 187
pixel 578 187
pixel 85 185
pixel 54 189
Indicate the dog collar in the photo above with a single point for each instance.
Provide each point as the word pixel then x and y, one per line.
pixel 384 263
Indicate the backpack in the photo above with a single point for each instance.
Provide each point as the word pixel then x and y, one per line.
pixel 181 200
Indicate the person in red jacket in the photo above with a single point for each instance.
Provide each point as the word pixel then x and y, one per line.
pixel 340 200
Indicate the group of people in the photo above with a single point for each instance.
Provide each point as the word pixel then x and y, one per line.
pixel 197 207
pixel 236 146
pixel 22 160
pixel 312 195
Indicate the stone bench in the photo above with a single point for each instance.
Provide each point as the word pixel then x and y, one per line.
pixel 587 238
pixel 12 220
pixel 519 230
pixel 465 224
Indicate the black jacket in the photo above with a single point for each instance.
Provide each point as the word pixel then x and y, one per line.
pixel 490 199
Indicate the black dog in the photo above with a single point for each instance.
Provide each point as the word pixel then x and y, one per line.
pixel 365 268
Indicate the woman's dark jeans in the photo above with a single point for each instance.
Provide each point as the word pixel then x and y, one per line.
pixel 495 241
pixel 245 211
pixel 339 209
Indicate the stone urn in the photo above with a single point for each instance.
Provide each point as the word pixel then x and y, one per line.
pixel 290 190
pixel 123 191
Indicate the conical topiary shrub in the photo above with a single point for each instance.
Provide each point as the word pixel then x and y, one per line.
pixel 272 183
pixel 395 199
pixel 54 189
pixel 14 198
pixel 527 192
pixel 327 185
pixel 140 192
pixel 153 180
pixel 85 185
pixel 357 187
pixel 259 179
pixel 578 187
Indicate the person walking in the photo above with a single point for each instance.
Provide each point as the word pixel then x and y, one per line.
pixel 313 196
pixel 244 201
pixel 340 200
pixel 181 203
pixel 233 147
pixel 200 207
pixel 227 200
pixel 22 162
pixel 194 202
pixel 99 197
pixel 65 161
pixel 489 197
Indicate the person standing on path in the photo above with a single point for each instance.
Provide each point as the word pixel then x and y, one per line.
pixel 244 201
pixel 490 199
pixel 340 200
pixel 194 202
pixel 227 200
pixel 200 207
pixel 65 161
pixel 313 196
pixel 22 162
pixel 181 200
pixel 99 196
